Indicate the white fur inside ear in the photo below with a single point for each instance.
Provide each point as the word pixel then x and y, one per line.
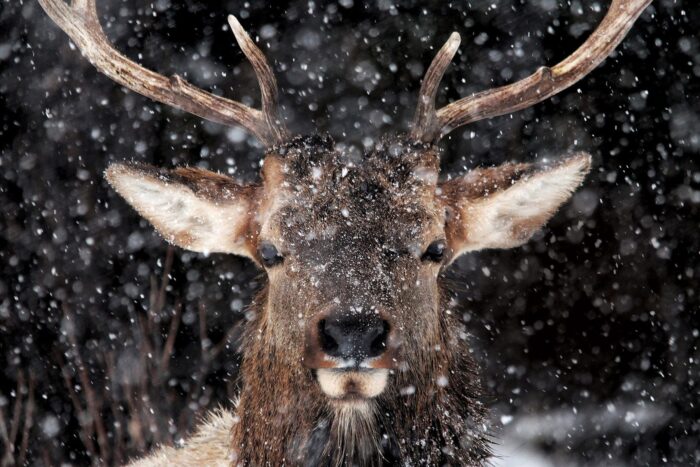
pixel 509 218
pixel 179 215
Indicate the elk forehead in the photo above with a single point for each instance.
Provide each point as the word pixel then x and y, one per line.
pixel 331 207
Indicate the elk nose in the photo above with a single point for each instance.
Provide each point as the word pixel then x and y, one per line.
pixel 354 338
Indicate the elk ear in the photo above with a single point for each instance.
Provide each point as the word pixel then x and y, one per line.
pixel 192 208
pixel 502 207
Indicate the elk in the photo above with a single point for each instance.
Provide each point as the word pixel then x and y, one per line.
pixel 352 355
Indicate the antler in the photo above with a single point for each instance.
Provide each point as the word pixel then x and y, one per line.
pixel 80 21
pixel 430 125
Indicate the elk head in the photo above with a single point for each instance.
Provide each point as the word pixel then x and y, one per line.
pixel 352 250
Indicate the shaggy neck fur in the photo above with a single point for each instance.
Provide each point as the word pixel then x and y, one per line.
pixel 429 415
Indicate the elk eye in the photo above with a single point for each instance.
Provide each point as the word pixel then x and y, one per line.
pixel 269 255
pixel 434 252
pixel 391 254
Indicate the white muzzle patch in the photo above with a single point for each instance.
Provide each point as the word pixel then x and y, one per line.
pixel 340 384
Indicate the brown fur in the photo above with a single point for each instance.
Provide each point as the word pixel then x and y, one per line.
pixel 436 424
pixel 352 235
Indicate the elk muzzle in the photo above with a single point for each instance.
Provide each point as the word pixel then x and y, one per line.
pixel 351 353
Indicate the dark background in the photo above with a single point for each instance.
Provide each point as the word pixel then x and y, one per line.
pixel 588 335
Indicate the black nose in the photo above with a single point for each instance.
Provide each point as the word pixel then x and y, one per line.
pixel 353 337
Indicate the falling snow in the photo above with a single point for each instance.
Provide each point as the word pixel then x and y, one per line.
pixel 588 336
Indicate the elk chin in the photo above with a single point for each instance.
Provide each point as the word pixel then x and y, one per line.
pixel 352 386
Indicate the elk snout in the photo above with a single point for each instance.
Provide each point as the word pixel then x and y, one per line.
pixel 351 354
pixel 353 339
pixel 350 341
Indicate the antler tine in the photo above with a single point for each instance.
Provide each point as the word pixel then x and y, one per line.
pixel 542 84
pixel 266 78
pixel 80 21
pixel 425 120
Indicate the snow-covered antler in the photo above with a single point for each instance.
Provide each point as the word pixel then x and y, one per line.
pixel 80 21
pixel 430 125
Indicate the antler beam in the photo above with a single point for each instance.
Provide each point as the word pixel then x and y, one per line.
pixel 430 125
pixel 80 21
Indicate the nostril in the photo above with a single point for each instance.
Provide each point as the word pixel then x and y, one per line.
pixel 353 337
pixel 378 345
pixel 328 344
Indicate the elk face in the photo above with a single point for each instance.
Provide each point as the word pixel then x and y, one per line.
pixel 356 251
pixel 352 249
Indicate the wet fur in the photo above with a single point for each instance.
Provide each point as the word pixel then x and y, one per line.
pixel 434 426
pixel 336 220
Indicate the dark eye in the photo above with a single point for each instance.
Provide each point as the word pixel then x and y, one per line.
pixel 434 252
pixel 391 254
pixel 269 255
